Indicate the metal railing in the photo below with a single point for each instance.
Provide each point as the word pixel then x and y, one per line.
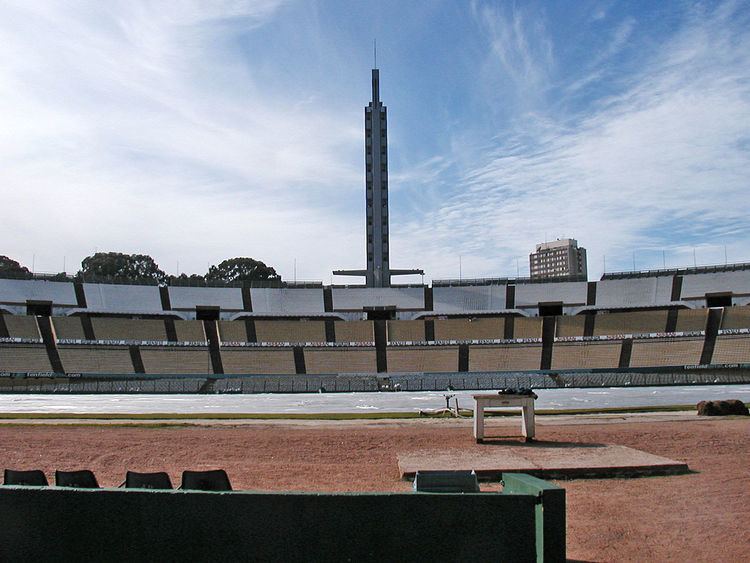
pixel 715 268
pixel 451 282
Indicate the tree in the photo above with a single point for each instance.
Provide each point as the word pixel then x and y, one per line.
pixel 241 269
pixel 131 267
pixel 12 269
pixel 192 280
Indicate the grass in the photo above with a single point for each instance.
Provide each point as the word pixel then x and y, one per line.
pixel 324 416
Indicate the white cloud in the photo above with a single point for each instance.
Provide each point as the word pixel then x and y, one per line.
pixel 520 52
pixel 133 126
pixel 159 127
pixel 663 164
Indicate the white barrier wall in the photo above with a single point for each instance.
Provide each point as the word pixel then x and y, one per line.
pixel 529 295
pixel 108 298
pixel 140 299
pixel 357 298
pixel 636 292
pixel 695 286
pixel 468 298
pixel 282 300
pixel 20 291
pixel 188 298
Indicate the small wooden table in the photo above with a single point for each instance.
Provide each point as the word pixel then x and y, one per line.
pixel 526 402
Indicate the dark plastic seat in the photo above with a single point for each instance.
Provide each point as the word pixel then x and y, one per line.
pixel 214 480
pixel 82 479
pixel 31 478
pixel 158 480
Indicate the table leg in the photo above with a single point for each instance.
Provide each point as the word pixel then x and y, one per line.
pixel 478 422
pixel 528 426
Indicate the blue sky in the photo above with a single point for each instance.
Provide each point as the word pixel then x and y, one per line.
pixel 197 131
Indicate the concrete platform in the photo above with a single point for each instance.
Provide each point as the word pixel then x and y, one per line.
pixel 549 460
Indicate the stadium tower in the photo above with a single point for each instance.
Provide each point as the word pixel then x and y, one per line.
pixel 378 272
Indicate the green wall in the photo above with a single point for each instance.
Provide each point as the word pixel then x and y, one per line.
pixel 53 524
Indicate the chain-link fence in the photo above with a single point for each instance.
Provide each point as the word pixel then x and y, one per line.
pixel 347 383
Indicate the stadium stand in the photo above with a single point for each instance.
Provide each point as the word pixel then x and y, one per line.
pixel 16 293
pixel 622 291
pixel 569 294
pixel 24 357
pixel 290 331
pixel 666 352
pixel 291 301
pixel 461 299
pixel 696 286
pixel 691 320
pixel 96 359
pixel 570 326
pixel 479 328
pixel 586 355
pixel 406 331
pixel 176 360
pixel 340 360
pixel 295 316
pixel 190 298
pixel 258 360
pixel 633 293
pixel 527 327
pixel 736 317
pixel 106 328
pixel 731 349
pixel 354 331
pixel 360 298
pixel 423 358
pixel 638 322
pixel 505 357
pixel 232 331
pixel 190 331
pixel 68 328
pixel 21 326
pixel 106 298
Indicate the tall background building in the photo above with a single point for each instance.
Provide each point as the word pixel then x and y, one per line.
pixel 562 258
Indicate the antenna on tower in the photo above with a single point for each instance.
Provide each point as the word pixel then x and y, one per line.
pixel 375 53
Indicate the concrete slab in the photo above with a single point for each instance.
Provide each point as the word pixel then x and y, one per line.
pixel 550 460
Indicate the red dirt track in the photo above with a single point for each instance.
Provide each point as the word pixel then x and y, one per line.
pixel 702 516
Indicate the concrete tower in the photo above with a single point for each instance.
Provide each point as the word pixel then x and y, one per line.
pixel 376 187
pixel 378 272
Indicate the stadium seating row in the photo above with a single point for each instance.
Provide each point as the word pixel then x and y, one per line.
pixel 589 354
pixel 304 331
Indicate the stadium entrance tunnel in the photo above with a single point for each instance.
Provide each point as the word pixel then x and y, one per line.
pixel 381 313
pixel 718 300
pixel 39 308
pixel 207 313
pixel 550 309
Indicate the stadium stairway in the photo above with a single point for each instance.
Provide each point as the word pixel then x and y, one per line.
pixel 712 330
pixel 548 338
pixel 50 343
pixel 137 359
pixel 212 334
pixel 3 327
pixel 626 352
pixel 381 340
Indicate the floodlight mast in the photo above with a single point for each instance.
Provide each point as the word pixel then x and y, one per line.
pixel 378 272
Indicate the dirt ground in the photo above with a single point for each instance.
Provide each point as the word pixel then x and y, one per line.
pixel 701 516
